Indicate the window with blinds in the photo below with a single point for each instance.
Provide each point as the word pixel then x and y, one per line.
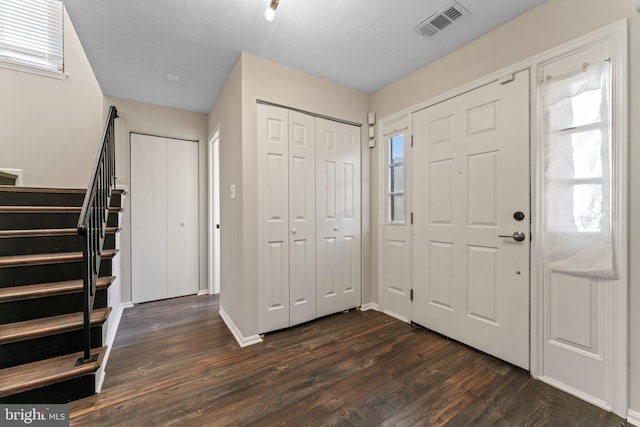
pixel 31 34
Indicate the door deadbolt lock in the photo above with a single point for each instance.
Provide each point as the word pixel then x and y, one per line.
pixel 518 216
pixel 518 236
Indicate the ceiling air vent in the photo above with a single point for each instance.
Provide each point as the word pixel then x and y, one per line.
pixel 441 20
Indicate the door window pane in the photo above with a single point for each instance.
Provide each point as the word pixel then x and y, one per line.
pixel 397 208
pixel 397 149
pixel 395 179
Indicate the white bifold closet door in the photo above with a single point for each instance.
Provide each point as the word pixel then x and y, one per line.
pixel 338 256
pixel 308 217
pixel 164 218
pixel 286 206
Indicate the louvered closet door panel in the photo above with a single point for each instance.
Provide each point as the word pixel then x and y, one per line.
pixel 273 220
pixel 148 218
pixel 182 217
pixel 302 183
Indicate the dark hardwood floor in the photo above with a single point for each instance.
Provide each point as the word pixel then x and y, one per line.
pixel 175 363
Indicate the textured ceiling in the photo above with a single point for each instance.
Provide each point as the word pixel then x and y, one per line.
pixel 365 44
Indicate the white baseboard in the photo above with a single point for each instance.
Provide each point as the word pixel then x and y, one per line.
pixel 370 306
pixel 127 304
pixel 242 340
pixel 633 417
pixel 111 337
pixel 203 292
pixel 577 393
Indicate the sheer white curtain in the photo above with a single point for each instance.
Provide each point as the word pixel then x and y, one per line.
pixel 577 172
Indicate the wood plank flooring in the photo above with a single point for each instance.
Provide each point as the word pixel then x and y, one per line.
pixel 175 363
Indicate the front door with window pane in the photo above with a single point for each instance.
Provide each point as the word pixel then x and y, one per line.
pixel 470 171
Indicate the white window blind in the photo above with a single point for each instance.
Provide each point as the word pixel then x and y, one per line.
pixel 577 167
pixel 31 33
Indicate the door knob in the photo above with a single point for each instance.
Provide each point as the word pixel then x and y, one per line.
pixel 336 228
pixel 294 231
pixel 518 236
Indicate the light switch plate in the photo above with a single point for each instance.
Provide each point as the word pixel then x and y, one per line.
pixel 232 191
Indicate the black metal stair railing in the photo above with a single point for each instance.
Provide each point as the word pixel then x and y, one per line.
pixel 93 222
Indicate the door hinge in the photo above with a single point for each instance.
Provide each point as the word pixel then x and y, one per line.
pixel 412 140
pixel 411 216
pixel 411 294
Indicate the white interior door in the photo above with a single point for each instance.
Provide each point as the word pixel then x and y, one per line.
pixel 302 243
pixel 327 219
pixel 273 221
pixel 349 215
pixel 182 218
pixel 337 217
pixel 164 218
pixel 471 177
pixel 148 218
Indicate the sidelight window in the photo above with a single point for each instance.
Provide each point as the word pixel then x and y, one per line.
pixel 396 179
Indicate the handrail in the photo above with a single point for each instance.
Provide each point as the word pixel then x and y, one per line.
pixel 92 224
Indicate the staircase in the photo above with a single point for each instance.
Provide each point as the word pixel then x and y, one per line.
pixel 41 295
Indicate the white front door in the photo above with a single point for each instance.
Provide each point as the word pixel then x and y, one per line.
pixel 471 187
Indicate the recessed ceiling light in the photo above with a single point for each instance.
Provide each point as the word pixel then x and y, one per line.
pixel 172 77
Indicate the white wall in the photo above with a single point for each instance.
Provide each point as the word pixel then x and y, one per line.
pixel 267 81
pixel 549 25
pixel 227 113
pixel 162 121
pixel 51 128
